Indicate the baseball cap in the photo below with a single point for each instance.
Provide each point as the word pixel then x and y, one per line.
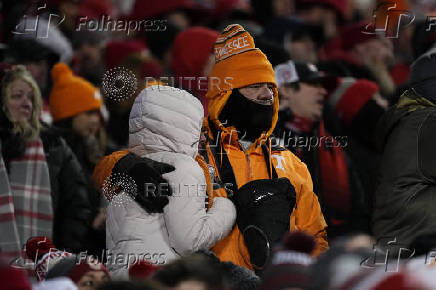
pixel 299 71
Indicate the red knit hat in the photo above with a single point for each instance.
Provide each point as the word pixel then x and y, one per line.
pixel 71 95
pixel 45 255
pixel 290 263
pixel 118 51
pixel 350 96
pixel 86 266
pixel 191 50
pixel 36 247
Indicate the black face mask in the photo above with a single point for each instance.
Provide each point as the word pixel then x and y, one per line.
pixel 248 117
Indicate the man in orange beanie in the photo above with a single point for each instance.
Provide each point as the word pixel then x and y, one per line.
pixel 271 187
pixel 75 106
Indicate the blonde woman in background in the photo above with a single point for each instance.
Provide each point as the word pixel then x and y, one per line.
pixel 42 189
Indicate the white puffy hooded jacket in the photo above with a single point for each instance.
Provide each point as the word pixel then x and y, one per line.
pixel 165 125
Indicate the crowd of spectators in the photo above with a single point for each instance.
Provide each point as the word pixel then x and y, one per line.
pixel 222 144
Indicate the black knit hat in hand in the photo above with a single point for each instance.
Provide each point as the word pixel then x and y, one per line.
pixel 152 189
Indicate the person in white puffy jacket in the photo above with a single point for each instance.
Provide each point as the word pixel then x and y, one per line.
pixel 165 125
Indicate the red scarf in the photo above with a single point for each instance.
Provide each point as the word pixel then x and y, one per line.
pixel 336 192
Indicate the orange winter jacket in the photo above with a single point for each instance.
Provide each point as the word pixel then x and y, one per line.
pixel 252 165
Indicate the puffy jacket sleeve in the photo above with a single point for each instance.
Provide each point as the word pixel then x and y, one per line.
pixel 307 215
pixel 190 226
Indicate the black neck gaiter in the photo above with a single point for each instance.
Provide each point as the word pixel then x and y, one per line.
pixel 248 117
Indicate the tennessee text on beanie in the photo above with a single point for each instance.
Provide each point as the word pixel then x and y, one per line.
pixel 238 63
pixel 237 59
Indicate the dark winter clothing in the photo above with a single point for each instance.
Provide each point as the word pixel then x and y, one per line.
pixel 96 237
pixel 264 208
pixel 423 76
pixel 353 113
pixel 404 200
pixel 292 27
pixel 335 179
pixel 333 174
pixel 71 205
pixel 143 171
pixel 238 277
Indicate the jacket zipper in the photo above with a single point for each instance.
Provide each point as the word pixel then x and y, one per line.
pixel 247 157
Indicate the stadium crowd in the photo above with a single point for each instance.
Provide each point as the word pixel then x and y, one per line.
pixel 222 144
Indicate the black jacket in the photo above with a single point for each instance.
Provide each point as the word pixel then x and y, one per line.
pixel 301 144
pixel 405 205
pixel 71 204
pixel 96 238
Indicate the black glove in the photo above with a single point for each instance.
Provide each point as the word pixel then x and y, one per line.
pixel 263 209
pixel 152 190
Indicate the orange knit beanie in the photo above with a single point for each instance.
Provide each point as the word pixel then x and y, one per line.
pixel 238 63
pixel 71 94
